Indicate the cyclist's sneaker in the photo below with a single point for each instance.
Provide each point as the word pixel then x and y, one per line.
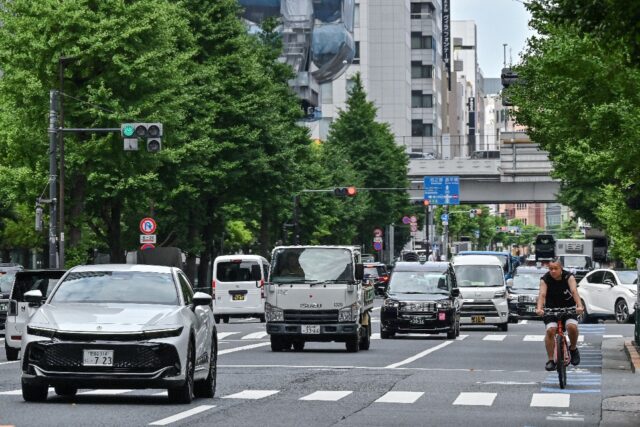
pixel 550 366
pixel 575 356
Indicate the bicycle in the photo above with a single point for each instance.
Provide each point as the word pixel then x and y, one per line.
pixel 561 345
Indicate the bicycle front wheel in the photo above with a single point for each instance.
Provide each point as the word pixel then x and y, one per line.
pixel 560 365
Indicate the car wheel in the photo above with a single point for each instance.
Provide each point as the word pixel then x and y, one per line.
pixel 451 335
pixel 458 328
pixel 262 318
pixel 207 387
pixel 622 311
pixel 365 339
pixel 298 345
pixel 225 319
pixel 66 390
pixel 278 343
pixel 216 318
pixel 386 334
pixel 504 327
pixel 12 353
pixel 184 393
pixel 34 392
pixel 353 344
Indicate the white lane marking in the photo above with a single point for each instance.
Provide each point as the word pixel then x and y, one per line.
pixel 461 337
pixel 342 368
pixel 1 339
pixel 327 396
pixel 223 335
pixel 475 399
pixel 400 397
pixel 533 338
pixel 612 336
pixel 244 347
pixel 105 391
pixel 581 338
pixel 523 322
pixel 494 338
pixel 182 415
pixel 375 309
pixel 6 363
pixel 255 336
pixel 375 336
pixel 550 400
pixel 419 355
pixel 565 416
pixel 162 393
pixel 507 382
pixel 18 392
pixel 375 320
pixel 252 394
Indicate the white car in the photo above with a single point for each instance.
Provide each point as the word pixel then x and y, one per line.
pixel 120 326
pixel 609 293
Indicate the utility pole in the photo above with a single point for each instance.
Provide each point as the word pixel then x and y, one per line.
pixel 296 224
pixel 53 167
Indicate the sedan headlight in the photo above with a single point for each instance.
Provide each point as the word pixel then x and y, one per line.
pixel 273 313
pixel 41 332
pixel 512 297
pixel 444 305
pixel 391 303
pixel 162 333
pixel 349 314
pixel 634 291
pixel 500 294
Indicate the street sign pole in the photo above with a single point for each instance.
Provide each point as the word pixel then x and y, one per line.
pixel 445 244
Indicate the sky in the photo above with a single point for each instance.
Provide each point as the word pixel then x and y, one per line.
pixel 497 22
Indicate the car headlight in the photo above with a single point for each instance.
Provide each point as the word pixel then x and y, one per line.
pixel 512 297
pixel 444 305
pixel 273 313
pixel 41 332
pixel 500 294
pixel 162 333
pixel 349 314
pixel 634 291
pixel 391 303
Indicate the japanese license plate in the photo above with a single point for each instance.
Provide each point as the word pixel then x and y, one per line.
pixel 531 309
pixel 97 358
pixel 310 329
pixel 479 320
pixel 238 297
pixel 416 320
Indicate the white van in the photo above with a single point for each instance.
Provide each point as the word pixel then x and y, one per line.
pixel 483 290
pixel 238 286
pixel 21 311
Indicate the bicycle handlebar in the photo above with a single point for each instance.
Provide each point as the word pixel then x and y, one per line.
pixel 564 310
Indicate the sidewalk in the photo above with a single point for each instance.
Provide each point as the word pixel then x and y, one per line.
pixel 621 386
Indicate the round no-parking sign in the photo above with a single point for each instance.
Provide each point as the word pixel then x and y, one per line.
pixel 148 226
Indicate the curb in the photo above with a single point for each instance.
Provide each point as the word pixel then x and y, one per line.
pixel 634 356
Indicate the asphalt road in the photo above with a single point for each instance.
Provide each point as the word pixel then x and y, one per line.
pixel 484 378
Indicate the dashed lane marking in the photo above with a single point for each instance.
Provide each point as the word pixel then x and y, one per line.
pixel 475 399
pixel 494 338
pixel 223 335
pixel 252 394
pixel 327 396
pixel 255 336
pixel 182 415
pixel 244 347
pixel 419 355
pixel 533 338
pixel 400 397
pixel 375 336
pixel 100 391
pixel 550 400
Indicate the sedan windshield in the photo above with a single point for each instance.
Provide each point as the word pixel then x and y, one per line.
pixel 628 277
pixel 477 276
pixel 419 282
pixel 311 265
pixel 526 281
pixel 134 287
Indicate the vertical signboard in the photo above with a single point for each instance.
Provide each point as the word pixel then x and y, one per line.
pixel 446 39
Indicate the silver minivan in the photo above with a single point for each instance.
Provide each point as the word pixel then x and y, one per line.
pixel 20 311
pixel 238 286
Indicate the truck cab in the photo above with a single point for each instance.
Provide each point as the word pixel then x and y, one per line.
pixel 316 293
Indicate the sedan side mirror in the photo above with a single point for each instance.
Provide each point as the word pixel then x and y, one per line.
pixel 608 282
pixel 34 298
pixel 455 292
pixel 359 271
pixel 200 298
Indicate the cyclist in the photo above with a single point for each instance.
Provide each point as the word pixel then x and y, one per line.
pixel 558 289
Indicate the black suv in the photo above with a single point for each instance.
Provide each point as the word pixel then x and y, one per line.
pixel 523 292
pixel 377 275
pixel 7 274
pixel 422 298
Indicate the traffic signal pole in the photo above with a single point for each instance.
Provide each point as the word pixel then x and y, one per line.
pixel 53 169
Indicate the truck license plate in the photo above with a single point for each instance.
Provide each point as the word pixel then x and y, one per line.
pixel 238 297
pixel 478 320
pixel 97 358
pixel 531 309
pixel 310 329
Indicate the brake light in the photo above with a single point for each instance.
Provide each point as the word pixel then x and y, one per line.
pixel 213 288
pixel 262 289
pixel 385 278
pixel 16 337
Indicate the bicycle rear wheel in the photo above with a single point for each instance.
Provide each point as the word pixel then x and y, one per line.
pixel 560 365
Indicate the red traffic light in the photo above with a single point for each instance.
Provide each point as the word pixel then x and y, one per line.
pixel 425 202
pixel 345 191
pixel 351 191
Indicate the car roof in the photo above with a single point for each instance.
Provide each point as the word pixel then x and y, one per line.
pixel 477 260
pixel 419 266
pixel 124 267
pixel 483 253
pixel 241 257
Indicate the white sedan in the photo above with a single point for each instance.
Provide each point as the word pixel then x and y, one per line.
pixel 609 293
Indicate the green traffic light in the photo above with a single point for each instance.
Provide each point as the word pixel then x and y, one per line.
pixel 128 130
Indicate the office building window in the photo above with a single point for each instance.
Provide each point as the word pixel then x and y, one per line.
pixel 420 41
pixel 356 55
pixel 326 93
pixel 521 206
pixel 421 129
pixel 356 16
pixel 422 10
pixel 421 100
pixel 420 71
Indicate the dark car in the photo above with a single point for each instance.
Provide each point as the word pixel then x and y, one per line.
pixel 7 274
pixel 421 298
pixel 378 275
pixel 545 247
pixel 523 293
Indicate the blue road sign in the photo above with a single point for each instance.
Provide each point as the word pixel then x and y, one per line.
pixel 444 217
pixel 442 190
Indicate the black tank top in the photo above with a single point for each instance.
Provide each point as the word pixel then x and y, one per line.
pixel 558 291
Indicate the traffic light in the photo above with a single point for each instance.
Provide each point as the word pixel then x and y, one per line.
pixel 345 191
pixel 508 77
pixel 474 212
pixel 420 202
pixel 150 132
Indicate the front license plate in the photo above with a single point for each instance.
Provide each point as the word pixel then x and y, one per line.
pixel 238 297
pixel 531 309
pixel 97 358
pixel 310 329
pixel 479 320
pixel 416 321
